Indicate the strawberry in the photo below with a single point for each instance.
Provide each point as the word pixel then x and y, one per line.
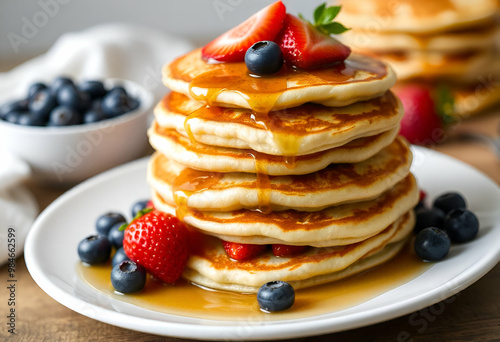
pixel 306 47
pixel 160 243
pixel 287 250
pixel 232 45
pixel 150 204
pixel 420 125
pixel 242 251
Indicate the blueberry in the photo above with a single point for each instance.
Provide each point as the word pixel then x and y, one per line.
pixel 115 235
pixel 138 206
pixel 429 218
pixel 432 244
pixel 28 119
pixel 13 106
pixel 461 225
pixel 119 257
pixel 116 103
pixel 93 115
pixel 449 201
pixel 64 116
pixel 71 97
pixel 276 296
pixel 128 277
pixel 94 88
pixel 41 104
pixel 105 222
pixel 59 82
pixel 14 117
pixel 264 58
pixel 34 88
pixel 94 249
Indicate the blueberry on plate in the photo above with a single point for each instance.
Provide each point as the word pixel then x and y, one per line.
pixel 116 103
pixel 64 116
pixel 428 218
pixel 461 225
pixel 95 89
pixel 13 106
pixel 128 277
pixel 115 235
pixel 105 222
pixel 432 244
pixel 119 257
pixel 94 249
pixel 34 88
pixel 41 104
pixel 59 82
pixel 264 58
pixel 276 296
pixel 449 201
pixel 138 206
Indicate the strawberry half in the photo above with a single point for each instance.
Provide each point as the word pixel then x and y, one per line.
pixel 305 47
pixel 232 45
pixel 242 251
pixel 160 243
pixel 287 250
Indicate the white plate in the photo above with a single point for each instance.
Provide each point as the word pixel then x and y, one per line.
pixel 51 258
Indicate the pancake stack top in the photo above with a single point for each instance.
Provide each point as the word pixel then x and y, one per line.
pixel 436 41
pixel 304 160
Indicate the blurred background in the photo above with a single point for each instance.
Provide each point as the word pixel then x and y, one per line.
pixel 30 27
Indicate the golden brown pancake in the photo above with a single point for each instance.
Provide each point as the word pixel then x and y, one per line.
pixel 296 131
pixel 230 85
pixel 336 184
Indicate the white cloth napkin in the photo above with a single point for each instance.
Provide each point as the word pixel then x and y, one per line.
pixel 107 51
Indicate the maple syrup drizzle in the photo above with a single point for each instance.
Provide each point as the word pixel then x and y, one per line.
pixel 188 300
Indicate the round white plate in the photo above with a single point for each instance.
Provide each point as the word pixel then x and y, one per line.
pixel 51 258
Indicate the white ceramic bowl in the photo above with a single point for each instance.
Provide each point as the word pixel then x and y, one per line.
pixel 67 155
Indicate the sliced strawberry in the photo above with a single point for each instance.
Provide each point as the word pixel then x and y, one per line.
pixel 420 125
pixel 305 47
pixel 242 251
pixel 232 45
pixel 287 250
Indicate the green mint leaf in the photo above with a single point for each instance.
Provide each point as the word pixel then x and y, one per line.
pixel 123 227
pixel 334 28
pixel 302 17
pixel 328 15
pixel 318 12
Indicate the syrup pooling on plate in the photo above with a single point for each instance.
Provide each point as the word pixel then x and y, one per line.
pixel 187 300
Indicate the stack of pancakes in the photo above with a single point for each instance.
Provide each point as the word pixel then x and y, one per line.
pixel 447 42
pixel 300 158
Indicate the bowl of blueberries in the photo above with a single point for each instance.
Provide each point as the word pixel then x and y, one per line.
pixel 69 130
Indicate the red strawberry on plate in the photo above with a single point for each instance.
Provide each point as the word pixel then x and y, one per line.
pixel 160 243
pixel 420 125
pixel 242 251
pixel 287 250
pixel 305 47
pixel 232 45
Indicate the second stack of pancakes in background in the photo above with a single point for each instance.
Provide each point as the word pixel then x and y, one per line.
pixel 438 42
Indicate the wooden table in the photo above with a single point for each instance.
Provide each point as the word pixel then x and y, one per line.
pixel 472 315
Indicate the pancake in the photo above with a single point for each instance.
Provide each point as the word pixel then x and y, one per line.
pixel 297 131
pixel 389 252
pixel 475 99
pixel 221 159
pixel 229 85
pixel 209 261
pixel 419 16
pixel 462 67
pixel 320 228
pixel 336 184
pixel 476 38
